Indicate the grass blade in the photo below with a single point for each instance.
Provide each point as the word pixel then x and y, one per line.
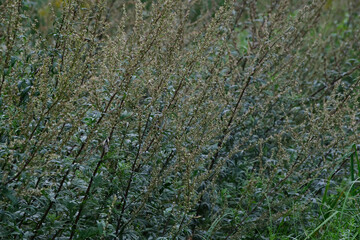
pixel 352 175
pixel 322 224
pixel 357 159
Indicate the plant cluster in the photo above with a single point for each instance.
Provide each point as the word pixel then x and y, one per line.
pixel 170 119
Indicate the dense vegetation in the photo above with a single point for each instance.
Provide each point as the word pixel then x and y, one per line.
pixel 203 119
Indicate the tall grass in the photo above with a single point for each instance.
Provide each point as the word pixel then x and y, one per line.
pixel 176 119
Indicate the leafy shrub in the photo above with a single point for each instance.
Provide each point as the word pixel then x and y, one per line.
pixel 174 119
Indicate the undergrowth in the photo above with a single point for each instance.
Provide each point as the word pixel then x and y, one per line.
pixel 203 119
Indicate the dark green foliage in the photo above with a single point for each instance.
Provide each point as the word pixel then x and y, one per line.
pixel 179 119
